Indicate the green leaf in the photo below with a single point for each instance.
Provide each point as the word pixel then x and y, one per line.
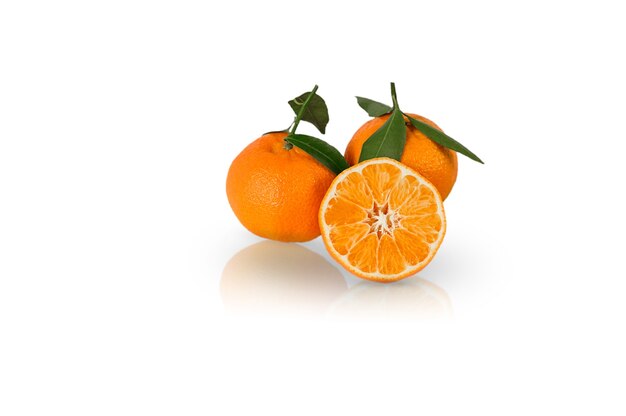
pixel 323 152
pixel 315 113
pixel 443 139
pixel 388 140
pixel 373 108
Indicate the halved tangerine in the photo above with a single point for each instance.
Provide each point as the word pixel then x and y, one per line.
pixel 381 220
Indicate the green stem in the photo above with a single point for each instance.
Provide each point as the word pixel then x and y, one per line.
pixel 301 112
pixel 393 96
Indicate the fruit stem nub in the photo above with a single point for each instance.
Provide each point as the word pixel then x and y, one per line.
pixel 301 112
pixel 393 96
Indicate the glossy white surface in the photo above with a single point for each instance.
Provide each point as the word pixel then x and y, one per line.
pixel 128 287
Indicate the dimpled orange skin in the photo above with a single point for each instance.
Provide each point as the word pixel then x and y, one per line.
pixel 436 163
pixel 276 193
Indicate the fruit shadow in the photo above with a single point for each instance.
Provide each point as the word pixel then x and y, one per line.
pixel 272 279
pixel 413 299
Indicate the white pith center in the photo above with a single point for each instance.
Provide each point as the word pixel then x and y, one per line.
pixel 381 219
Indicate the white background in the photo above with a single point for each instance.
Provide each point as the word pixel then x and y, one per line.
pixel 119 119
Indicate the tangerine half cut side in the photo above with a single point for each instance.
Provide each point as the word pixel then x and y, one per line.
pixel 381 220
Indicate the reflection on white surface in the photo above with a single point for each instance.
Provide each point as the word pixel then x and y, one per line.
pixel 286 279
pixel 272 278
pixel 410 299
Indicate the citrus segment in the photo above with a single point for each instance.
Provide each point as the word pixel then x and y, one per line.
pixel 401 193
pixel 355 189
pixel 381 179
pixel 346 236
pixel 413 250
pixel 390 261
pixel 381 220
pixel 342 211
pixel 363 254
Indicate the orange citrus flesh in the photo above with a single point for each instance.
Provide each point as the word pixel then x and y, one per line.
pixel 381 220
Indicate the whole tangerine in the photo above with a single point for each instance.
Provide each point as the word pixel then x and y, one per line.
pixel 436 163
pixel 275 189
